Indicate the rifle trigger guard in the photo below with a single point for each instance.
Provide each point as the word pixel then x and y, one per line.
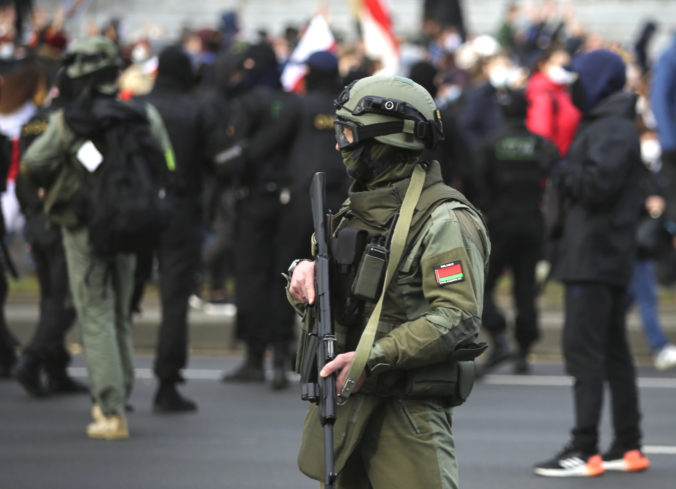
pixel 340 400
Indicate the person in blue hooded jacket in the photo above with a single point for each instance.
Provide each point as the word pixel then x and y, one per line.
pixel 593 257
pixel 663 104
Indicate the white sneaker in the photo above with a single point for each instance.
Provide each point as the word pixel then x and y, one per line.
pixel 666 358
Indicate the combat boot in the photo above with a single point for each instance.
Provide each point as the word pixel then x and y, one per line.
pixel 109 427
pixel 169 400
pixel 499 353
pixel 280 380
pixel 59 382
pixel 250 371
pixel 521 364
pixel 28 372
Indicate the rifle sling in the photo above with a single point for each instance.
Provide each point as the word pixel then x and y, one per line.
pixel 398 242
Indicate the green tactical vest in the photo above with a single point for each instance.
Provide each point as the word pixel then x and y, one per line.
pixel 374 211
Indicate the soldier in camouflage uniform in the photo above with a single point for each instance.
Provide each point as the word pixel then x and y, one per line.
pixel 394 431
pixel 101 286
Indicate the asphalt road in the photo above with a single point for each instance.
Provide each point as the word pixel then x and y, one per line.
pixel 246 437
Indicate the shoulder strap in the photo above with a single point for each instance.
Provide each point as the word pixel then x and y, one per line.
pixel 399 235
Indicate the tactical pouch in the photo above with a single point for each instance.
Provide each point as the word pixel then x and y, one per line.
pixel 451 381
pixel 306 348
pixel 347 247
pixel 368 280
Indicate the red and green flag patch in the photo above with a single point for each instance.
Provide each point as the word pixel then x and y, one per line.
pixel 449 273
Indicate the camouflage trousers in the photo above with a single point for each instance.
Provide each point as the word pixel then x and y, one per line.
pixel 101 290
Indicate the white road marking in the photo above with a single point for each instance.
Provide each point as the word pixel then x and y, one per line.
pixel 659 449
pixel 562 380
pixel 493 379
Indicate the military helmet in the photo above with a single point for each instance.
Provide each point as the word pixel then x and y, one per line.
pixel 91 55
pixel 390 109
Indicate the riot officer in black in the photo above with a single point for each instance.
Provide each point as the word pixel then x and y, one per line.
pixel 45 357
pixel 7 340
pixel 313 150
pixel 179 249
pixel 514 165
pixel 264 120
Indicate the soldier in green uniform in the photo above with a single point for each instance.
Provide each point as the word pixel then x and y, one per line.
pixel 63 161
pixel 393 428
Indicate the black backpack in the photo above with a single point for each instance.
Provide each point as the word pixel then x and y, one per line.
pixel 128 206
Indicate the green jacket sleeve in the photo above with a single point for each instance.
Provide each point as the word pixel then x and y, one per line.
pixel 44 157
pixel 441 282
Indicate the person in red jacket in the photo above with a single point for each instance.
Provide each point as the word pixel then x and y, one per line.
pixel 551 112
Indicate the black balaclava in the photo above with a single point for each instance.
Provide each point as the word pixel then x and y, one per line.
pixel 600 73
pixel 372 164
pixel 174 69
pixel 322 71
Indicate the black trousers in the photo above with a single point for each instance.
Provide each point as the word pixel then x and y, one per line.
pixel 516 245
pixel 178 259
pixel 668 175
pixel 7 340
pixel 259 284
pixel 597 354
pixel 57 314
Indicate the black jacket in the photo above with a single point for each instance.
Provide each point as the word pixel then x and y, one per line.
pixel 264 122
pixel 314 149
pixel 603 198
pixel 186 126
pixel 513 165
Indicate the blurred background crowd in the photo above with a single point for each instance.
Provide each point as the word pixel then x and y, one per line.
pixel 252 223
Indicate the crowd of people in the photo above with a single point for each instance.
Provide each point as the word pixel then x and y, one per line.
pixel 557 135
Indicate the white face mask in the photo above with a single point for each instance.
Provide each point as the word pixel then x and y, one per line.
pixel 504 76
pixel 560 76
pixel 499 77
pixel 650 152
pixel 452 42
pixel 6 50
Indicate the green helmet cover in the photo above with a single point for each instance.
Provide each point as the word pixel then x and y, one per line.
pixel 355 104
pixel 90 55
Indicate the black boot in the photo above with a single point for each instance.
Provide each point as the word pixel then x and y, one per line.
pixel 250 371
pixel 59 382
pixel 28 372
pixel 280 362
pixel 499 353
pixel 521 365
pixel 168 400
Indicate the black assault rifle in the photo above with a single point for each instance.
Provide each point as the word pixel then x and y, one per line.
pixel 322 339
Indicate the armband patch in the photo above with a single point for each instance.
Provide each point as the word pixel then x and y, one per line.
pixel 449 273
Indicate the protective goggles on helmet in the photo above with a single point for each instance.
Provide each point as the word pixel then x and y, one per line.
pixel 78 57
pixel 411 120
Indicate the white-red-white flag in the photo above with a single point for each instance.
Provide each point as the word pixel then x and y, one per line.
pixel 317 37
pixel 380 42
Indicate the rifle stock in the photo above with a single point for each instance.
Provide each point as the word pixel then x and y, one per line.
pixel 323 326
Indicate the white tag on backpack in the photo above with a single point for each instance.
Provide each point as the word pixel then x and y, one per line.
pixel 89 156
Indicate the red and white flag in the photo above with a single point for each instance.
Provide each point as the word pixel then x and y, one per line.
pixel 379 40
pixel 317 37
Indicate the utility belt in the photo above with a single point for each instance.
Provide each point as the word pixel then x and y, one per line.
pixel 450 381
